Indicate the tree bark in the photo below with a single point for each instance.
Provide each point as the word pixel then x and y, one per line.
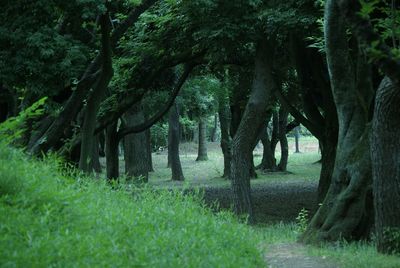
pixel 346 210
pixel 112 152
pixel 98 94
pixel 95 158
pixel 202 149
pixel 173 146
pixel 385 148
pixel 135 148
pixel 283 120
pixel 268 162
pixel 249 129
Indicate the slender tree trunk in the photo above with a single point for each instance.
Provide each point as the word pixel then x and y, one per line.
pixel 95 158
pixel 297 139
pixel 268 162
pixel 283 116
pixel 173 146
pixel 275 131
pixel 224 119
pixel 215 129
pixel 102 141
pixel 149 150
pixel 346 210
pixel 249 129
pixel 202 149
pixel 98 94
pixel 385 154
pixel 135 148
pixel 112 152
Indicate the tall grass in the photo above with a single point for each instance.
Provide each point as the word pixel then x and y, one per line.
pixel 50 219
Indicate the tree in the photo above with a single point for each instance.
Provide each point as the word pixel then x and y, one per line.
pixel 249 129
pixel 173 144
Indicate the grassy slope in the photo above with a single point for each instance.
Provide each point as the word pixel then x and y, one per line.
pixel 47 219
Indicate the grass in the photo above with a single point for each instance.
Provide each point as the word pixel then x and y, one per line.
pixel 301 167
pixel 50 219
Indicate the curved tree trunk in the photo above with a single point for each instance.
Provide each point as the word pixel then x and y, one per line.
pixel 268 162
pixel 346 210
pixel 202 149
pixel 135 147
pixel 94 100
pixel 283 120
pixel 173 146
pixel 112 152
pixel 385 154
pixel 224 119
pixel 249 129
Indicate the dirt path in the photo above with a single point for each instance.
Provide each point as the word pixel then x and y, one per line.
pixel 294 255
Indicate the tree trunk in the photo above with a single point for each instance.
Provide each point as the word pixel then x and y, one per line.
pixel 202 149
pixel 283 120
pixel 346 210
pixel 215 129
pixel 95 158
pixel 149 151
pixel 297 139
pixel 224 119
pixel 98 94
pixel 173 146
pixel 249 130
pixel 385 148
pixel 112 152
pixel 135 147
pixel 268 162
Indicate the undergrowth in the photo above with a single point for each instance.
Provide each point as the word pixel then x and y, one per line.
pixel 49 218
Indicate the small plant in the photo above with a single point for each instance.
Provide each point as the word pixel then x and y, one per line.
pixel 391 237
pixel 302 220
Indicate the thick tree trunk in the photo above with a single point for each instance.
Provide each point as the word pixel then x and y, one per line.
pixel 297 139
pixel 283 120
pixel 202 149
pixel 112 152
pixel 135 147
pixel 249 130
pixel 385 155
pixel 173 146
pixel 98 94
pixel 346 210
pixel 213 136
pixel 224 119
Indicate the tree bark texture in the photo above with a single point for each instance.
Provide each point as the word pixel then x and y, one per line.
pixel 346 210
pixel 96 96
pixel 135 147
pixel 385 155
pixel 202 149
pixel 112 151
pixel 149 150
pixel 95 158
pixel 173 146
pixel 268 162
pixel 249 129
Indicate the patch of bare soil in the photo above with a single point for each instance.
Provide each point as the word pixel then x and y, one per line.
pixel 294 255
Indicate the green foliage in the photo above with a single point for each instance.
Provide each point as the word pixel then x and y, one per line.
pixel 50 220
pixel 391 237
pixel 13 128
pixel 302 220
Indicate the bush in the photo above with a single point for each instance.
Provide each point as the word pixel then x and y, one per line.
pixel 50 219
